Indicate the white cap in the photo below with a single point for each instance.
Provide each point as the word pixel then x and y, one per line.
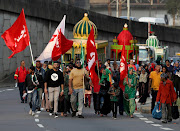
pixel 171 58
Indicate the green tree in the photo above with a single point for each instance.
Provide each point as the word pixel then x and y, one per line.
pixel 173 7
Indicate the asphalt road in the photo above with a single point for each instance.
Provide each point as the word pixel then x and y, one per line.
pixel 14 117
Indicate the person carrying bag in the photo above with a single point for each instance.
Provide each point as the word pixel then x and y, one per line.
pixel 157 111
pixel 166 96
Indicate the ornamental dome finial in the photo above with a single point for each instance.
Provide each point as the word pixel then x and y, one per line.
pixel 125 25
pixel 83 27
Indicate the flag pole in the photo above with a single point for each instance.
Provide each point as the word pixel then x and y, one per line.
pixel 62 62
pixel 31 53
pixel 84 84
pixel 98 69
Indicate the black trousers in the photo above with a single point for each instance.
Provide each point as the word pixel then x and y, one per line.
pixel 143 91
pixel 21 85
pixel 67 105
pixel 114 108
pixel 120 102
pixel 177 83
pixel 96 102
pixel 154 95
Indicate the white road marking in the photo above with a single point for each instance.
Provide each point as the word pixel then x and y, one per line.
pixel 168 129
pixel 38 112
pixel 136 113
pixel 0 91
pixel 36 116
pixel 40 125
pixel 149 122
pixel 36 120
pixel 156 125
pixel 9 89
pixel 139 116
pixel 145 119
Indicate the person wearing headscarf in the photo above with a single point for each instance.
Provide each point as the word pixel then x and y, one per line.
pixel 105 106
pixel 143 86
pixel 130 93
pixel 152 67
pixel 166 96
pixel 146 68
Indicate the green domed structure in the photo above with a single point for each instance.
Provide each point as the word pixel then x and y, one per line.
pixel 83 27
pixel 152 41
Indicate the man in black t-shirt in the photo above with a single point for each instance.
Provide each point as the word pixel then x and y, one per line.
pixel 54 80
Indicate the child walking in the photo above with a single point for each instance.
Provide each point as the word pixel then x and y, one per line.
pixel 114 97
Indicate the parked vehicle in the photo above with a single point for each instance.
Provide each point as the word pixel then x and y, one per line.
pixel 153 20
pixel 131 18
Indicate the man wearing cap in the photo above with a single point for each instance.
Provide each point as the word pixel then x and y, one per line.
pixel 53 81
pixel 166 96
pixel 154 81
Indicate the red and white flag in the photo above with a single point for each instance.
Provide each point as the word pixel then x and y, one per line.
pixel 17 36
pixel 46 55
pixel 123 68
pixel 62 46
pixel 92 57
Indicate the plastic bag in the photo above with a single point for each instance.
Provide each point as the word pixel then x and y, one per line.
pixel 157 111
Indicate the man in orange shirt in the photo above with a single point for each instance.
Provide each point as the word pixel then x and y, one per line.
pixel 20 76
pixel 154 81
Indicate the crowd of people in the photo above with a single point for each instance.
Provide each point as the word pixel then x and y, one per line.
pixel 57 87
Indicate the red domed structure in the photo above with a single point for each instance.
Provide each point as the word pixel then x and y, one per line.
pixel 124 38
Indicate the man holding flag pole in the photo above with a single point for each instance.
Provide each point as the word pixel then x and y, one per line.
pixel 17 39
pixel 82 64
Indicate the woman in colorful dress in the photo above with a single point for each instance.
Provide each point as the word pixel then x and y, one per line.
pixel 130 92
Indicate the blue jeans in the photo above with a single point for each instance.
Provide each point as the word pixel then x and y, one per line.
pixel 32 99
pixel 39 97
pixel 80 94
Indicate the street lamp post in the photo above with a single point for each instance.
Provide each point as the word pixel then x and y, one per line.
pixel 128 9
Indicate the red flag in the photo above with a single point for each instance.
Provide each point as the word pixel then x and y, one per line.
pixel 123 68
pixel 92 57
pixel 17 36
pixel 61 46
pixel 91 50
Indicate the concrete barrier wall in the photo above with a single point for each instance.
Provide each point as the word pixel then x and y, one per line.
pixel 43 16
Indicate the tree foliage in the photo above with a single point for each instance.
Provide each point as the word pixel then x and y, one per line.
pixel 173 7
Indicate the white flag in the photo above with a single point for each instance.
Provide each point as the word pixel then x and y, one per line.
pixel 47 53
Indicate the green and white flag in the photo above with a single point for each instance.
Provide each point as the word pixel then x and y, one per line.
pixel 82 55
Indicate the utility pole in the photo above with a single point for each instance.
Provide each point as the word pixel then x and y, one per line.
pixel 128 9
pixel 120 7
pixel 117 8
